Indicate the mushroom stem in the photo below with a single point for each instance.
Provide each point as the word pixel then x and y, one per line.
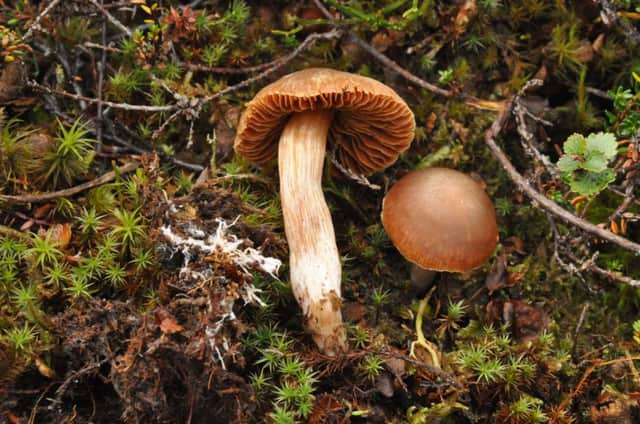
pixel 314 262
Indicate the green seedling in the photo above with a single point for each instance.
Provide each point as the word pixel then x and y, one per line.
pixel 585 163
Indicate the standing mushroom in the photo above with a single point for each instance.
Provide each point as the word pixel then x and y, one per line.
pixel 440 220
pixel 367 125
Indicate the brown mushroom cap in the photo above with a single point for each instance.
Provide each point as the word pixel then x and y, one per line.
pixel 440 219
pixel 371 126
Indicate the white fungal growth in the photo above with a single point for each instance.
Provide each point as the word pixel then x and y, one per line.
pixel 197 242
pixel 224 242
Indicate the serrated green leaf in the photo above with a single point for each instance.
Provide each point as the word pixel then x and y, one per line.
pixel 567 164
pixel 595 162
pixel 591 183
pixel 604 143
pixel 575 144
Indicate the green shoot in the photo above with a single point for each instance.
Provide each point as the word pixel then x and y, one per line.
pixel 585 163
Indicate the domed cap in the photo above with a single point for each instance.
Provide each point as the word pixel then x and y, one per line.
pixel 440 219
pixel 371 126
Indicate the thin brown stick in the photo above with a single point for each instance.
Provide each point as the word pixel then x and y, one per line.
pixel 381 57
pixel 99 122
pixel 76 375
pixel 34 410
pixel 233 177
pixel 576 332
pixel 197 67
pixel 256 68
pixel 45 197
pixel 125 106
pixel 489 137
pixel 97 46
pixel 387 62
pixel 308 42
pixel 591 265
pixel 195 105
pixel 397 68
pixel 111 18
pixel 597 364
pixel 609 15
pixel 35 26
pixel 134 148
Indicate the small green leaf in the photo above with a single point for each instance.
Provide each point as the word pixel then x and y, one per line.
pixel 604 143
pixel 575 144
pixel 591 183
pixel 595 162
pixel 567 164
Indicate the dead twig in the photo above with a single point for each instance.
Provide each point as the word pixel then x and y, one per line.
pixel 591 265
pixel 610 16
pixel 387 62
pixel 596 364
pixel 115 22
pixel 576 333
pixel 233 177
pixel 560 243
pixel 527 138
pixel 196 67
pixel 360 179
pixel 91 45
pixel 308 42
pixel 45 197
pixel 627 200
pixel 178 162
pixel 304 45
pixel 75 375
pixel 34 410
pixel 468 100
pixel 125 106
pixel 30 220
pixel 35 26
pixel 195 104
pixel 380 57
pixel 99 122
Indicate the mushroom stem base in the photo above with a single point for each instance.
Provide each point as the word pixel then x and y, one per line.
pixel 314 261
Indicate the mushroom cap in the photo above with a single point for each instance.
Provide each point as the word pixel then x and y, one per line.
pixel 440 219
pixel 371 126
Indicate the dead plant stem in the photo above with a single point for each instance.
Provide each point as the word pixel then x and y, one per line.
pixel 45 197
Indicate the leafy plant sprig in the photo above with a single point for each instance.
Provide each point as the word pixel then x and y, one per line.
pixel 624 120
pixel 585 162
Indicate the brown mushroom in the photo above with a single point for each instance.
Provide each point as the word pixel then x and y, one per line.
pixel 367 125
pixel 440 219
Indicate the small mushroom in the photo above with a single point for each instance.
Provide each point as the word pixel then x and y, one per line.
pixel 367 125
pixel 441 220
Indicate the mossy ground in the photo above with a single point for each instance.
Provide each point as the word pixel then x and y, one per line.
pixel 152 297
